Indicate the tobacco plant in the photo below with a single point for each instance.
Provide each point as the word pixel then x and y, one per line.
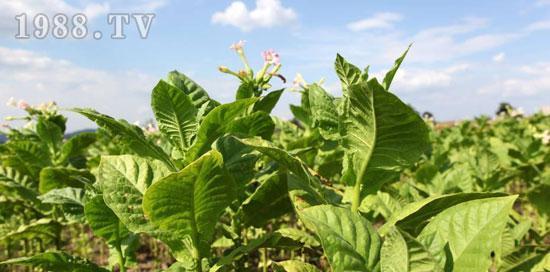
pixel 354 183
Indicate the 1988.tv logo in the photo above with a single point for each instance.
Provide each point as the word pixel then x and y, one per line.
pixel 61 26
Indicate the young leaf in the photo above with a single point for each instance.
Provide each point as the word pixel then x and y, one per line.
pixel 349 240
pixel 256 124
pixel 67 195
pixel 324 113
pixel 472 231
pixel 132 135
pixel 348 73
pixel 188 203
pixel 198 95
pixel 57 261
pixel 175 114
pixel 50 133
pixel 268 102
pixel 382 134
pixel 388 78
pixel 215 125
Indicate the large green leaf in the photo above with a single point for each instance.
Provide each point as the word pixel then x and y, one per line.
pixel 413 216
pixel 324 113
pixel 382 134
pixel 123 180
pixel 57 261
pixel 215 124
pixel 402 253
pixel 131 135
pixel 45 229
pixel 67 195
pixel 470 232
pixel 175 114
pixel 188 203
pixel 349 240
pixel 103 221
pixel 198 95
pixel 238 158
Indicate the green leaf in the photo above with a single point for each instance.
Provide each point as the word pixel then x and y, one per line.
pixel 269 101
pixel 45 229
pixel 76 145
pixel 296 266
pixel 131 135
pixel 471 230
pixel 103 221
pixel 256 124
pixel 247 89
pixel 216 124
pixel 198 95
pixel 349 240
pixel 50 133
pixel 402 253
pixel 324 113
pixel 348 73
pixel 238 158
pixel 57 261
pixel 388 78
pixel 175 114
pixel 300 236
pixel 123 180
pixel 414 215
pixel 382 134
pixel 68 195
pixel 60 177
pixel 189 203
pixel 269 201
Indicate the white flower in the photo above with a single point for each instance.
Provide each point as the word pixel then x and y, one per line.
pixel 517 112
pixel 543 136
pixel 238 46
pixel 299 81
pixel 11 102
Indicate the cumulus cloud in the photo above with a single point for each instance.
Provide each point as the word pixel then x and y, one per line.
pixel 381 20
pixel 527 80
pixel 267 13
pixel 539 25
pixel 499 57
pixel 412 79
pixel 38 78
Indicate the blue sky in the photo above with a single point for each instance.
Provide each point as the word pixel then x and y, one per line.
pixel 467 56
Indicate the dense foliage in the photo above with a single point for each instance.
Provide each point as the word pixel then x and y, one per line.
pixel 359 182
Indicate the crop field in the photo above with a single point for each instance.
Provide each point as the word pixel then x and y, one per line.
pixel 360 182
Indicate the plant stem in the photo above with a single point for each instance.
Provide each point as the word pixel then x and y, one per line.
pixel 264 260
pixel 121 259
pixel 356 197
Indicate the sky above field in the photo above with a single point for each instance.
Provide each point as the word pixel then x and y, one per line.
pixel 466 58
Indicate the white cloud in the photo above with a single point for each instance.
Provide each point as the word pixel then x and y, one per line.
pixel 383 20
pixel 414 79
pixel 539 25
pixel 527 80
pixel 540 3
pixel 499 57
pixel 268 13
pixel 38 78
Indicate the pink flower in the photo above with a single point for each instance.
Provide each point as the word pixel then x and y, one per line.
pixel 23 105
pixel 238 46
pixel 270 56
